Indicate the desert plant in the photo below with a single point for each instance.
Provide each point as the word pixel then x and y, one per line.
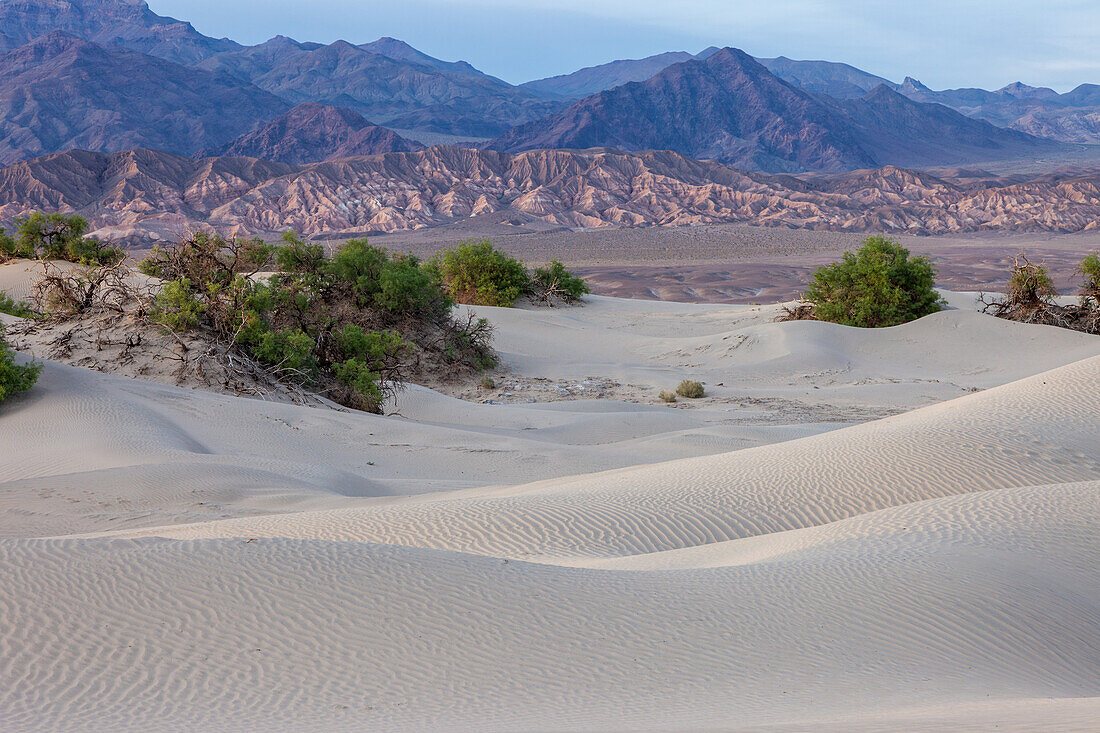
pixel 177 307
pixel 15 378
pixel 691 389
pixel 71 291
pixel 878 285
pixel 16 308
pixel 205 257
pixel 555 282
pixel 1029 285
pixel 666 396
pixel 1090 270
pixel 1030 297
pixel 59 237
pixel 348 326
pixel 488 382
pixel 476 273
pixel 12 249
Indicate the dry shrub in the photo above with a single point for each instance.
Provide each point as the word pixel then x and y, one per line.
pixel 1030 295
pixel 691 389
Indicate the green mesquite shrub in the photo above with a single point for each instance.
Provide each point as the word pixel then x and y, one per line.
pixel 879 285
pixel 476 273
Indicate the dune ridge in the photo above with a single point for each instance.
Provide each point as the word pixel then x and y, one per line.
pixel 179 560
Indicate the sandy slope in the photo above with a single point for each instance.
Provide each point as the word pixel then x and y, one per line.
pixel 244 565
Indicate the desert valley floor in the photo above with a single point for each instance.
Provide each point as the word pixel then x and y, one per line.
pixel 855 530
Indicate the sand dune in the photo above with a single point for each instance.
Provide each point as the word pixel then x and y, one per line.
pixel 178 560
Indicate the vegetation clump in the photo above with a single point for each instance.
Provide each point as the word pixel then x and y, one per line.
pixel 16 308
pixel 1030 297
pixel 57 237
pixel 877 286
pixel 352 326
pixel 15 378
pixel 1090 270
pixel 666 396
pixel 1029 286
pixel 555 282
pixel 690 389
pixel 476 273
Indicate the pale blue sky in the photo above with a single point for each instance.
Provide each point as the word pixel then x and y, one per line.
pixel 944 43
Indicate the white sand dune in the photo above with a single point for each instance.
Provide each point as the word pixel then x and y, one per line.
pixel 177 560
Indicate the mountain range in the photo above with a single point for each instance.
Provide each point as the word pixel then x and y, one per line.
pixel 59 92
pixel 68 80
pixel 186 129
pixel 731 108
pixel 149 195
pixel 1073 117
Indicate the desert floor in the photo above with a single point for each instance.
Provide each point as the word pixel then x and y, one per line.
pixel 733 263
pixel 854 530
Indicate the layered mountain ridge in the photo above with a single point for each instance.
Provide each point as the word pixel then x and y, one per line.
pixel 149 195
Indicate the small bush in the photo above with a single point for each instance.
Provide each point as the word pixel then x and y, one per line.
pixel 554 281
pixel 337 324
pixel 1030 297
pixel 15 308
pixel 289 349
pixel 15 378
pixel 476 273
pixel 1090 269
pixel 11 249
pixel 488 382
pixel 60 237
pixel 177 307
pixel 691 389
pixel 1029 285
pixel 204 257
pixel 879 285
pixel 667 396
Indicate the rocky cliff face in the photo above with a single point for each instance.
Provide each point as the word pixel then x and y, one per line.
pixel 315 132
pixel 146 194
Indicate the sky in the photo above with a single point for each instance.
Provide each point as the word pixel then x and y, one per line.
pixel 943 43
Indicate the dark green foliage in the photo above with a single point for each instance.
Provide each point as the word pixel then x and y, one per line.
pixel 297 255
pixel 396 283
pixel 12 249
pixel 15 308
pixel 177 307
pixel 880 285
pixel 348 325
pixel 1090 269
pixel 366 356
pixel 15 378
pixel 59 237
pixel 290 349
pixel 476 273
pixel 554 281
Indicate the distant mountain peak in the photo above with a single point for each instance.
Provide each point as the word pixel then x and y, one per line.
pixel 127 23
pixel 314 132
pixel 914 85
